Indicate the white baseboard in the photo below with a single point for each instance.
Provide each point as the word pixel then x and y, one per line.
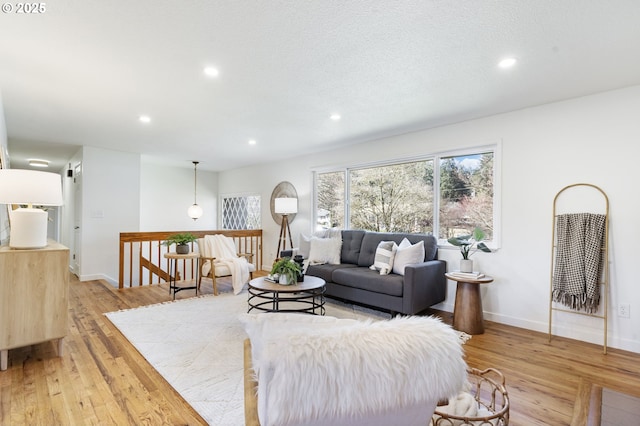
pixel 584 334
pixel 570 331
pixel 99 277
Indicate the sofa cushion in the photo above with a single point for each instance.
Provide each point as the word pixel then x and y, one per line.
pixel 304 246
pixel 325 250
pixel 385 253
pixel 407 254
pixel 326 271
pixel 351 243
pixel 371 240
pixel 366 279
pixel 430 244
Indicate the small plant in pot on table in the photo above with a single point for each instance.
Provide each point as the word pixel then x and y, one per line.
pixel 287 271
pixel 469 244
pixel 181 241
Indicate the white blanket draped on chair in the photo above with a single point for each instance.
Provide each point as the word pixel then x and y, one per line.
pixel 224 250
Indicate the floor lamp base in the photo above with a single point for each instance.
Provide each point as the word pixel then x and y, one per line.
pixel 282 240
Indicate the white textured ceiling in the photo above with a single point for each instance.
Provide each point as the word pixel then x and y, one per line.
pixel 83 71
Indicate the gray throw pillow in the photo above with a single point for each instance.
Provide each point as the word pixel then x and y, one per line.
pixel 383 260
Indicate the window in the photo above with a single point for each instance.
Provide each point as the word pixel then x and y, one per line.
pixel 330 200
pixel 447 195
pixel 394 198
pixel 242 212
pixel 466 194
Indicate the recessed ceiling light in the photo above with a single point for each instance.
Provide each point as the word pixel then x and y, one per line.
pixel 335 117
pixel 144 119
pixel 507 62
pixel 211 71
pixel 39 163
pixel 252 142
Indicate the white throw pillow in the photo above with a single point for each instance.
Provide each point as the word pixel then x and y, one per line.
pixel 333 233
pixel 407 254
pixel 325 250
pixel 304 246
pixel 385 253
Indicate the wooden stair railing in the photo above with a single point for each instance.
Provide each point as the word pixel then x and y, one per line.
pixel 142 259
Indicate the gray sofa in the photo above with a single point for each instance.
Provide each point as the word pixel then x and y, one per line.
pixel 422 286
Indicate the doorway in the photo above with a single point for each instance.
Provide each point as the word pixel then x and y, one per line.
pixel 77 219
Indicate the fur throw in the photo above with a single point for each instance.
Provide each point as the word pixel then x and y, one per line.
pixel 222 248
pixel 357 369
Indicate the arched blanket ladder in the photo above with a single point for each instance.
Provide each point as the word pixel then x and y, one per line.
pixel 604 253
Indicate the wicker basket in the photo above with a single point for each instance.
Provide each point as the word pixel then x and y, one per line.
pixel 487 388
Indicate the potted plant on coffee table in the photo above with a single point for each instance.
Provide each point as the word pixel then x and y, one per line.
pixel 181 241
pixel 287 270
pixel 469 244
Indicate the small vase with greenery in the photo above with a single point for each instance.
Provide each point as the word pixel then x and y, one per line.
pixel 287 269
pixel 469 244
pixel 181 241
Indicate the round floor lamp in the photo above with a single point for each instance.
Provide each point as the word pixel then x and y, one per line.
pixel 285 207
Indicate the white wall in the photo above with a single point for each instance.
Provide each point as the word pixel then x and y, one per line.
pixel 122 193
pixel 3 125
pixel 166 194
pixel 110 205
pixel 4 220
pixel 591 139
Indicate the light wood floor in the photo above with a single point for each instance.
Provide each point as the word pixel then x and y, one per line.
pixel 102 380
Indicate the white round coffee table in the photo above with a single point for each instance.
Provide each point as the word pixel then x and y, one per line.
pixel 306 296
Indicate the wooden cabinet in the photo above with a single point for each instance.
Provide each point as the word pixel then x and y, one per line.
pixel 34 297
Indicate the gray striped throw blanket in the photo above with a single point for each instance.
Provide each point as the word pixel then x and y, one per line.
pixel 576 278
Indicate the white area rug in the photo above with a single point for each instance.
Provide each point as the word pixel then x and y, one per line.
pixel 197 346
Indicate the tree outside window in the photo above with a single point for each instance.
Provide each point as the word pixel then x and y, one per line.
pixel 400 197
pixel 330 200
pixel 466 194
pixel 394 198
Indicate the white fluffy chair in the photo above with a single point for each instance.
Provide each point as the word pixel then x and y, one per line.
pixel 315 371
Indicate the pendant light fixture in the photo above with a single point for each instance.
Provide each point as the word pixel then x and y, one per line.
pixel 195 211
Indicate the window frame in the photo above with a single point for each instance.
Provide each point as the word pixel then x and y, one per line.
pixel 494 148
pixel 222 197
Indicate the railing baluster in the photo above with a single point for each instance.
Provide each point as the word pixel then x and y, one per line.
pixel 140 277
pixel 130 262
pixel 159 253
pixel 246 241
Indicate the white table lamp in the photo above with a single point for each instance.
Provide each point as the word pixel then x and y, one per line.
pixel 30 187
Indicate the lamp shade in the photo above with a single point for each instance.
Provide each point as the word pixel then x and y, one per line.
pixel 30 187
pixel 29 225
pixel 286 205
pixel 195 212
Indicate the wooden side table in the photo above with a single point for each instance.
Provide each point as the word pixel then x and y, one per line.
pixel 467 312
pixel 173 271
